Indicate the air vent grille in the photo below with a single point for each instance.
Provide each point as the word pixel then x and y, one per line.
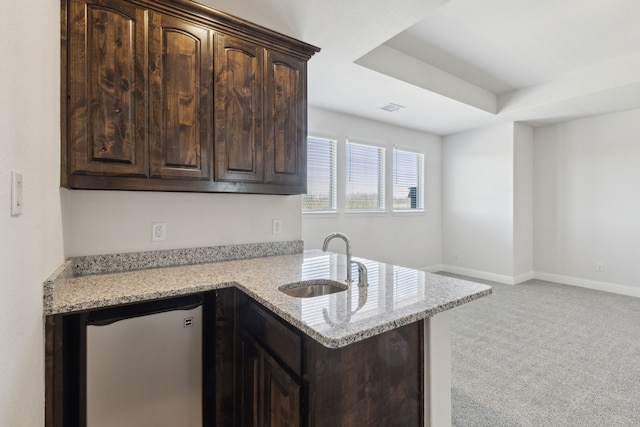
pixel 391 107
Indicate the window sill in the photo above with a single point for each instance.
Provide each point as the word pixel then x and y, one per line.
pixel 320 214
pixel 408 212
pixel 365 213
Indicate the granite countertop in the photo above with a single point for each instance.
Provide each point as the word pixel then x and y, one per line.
pixel 396 296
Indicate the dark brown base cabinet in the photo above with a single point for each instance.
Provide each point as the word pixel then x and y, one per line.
pixel 265 393
pixel 170 95
pixel 282 377
pixel 259 371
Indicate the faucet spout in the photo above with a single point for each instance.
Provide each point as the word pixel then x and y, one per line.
pixel 342 236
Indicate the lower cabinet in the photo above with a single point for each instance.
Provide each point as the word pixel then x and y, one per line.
pixel 281 395
pixel 259 371
pixel 282 377
pixel 247 389
pixel 266 394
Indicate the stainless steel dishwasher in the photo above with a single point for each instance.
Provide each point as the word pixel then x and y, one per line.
pixel 145 368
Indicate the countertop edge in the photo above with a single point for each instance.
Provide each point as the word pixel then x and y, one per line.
pixel 112 302
pixel 338 342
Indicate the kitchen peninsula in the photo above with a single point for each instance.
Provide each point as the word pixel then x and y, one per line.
pixel 384 347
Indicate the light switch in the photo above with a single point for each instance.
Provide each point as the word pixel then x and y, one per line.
pixel 16 193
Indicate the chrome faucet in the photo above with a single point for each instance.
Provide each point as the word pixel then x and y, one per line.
pixel 362 270
pixel 342 236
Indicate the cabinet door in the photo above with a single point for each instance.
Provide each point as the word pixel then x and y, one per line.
pixel 107 81
pixel 238 110
pixel 286 120
pixel 281 396
pixel 181 67
pixel 266 395
pixel 248 384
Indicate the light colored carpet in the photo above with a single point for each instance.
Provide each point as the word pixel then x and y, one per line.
pixel 544 354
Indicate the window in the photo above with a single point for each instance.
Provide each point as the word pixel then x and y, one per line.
pixel 408 179
pixel 364 177
pixel 321 176
pixel 363 181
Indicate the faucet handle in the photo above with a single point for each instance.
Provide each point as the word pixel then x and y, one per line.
pixel 362 274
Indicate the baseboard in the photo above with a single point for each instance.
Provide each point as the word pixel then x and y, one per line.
pixel 500 278
pixel 590 284
pixel 432 268
pixel 556 278
pixel 524 277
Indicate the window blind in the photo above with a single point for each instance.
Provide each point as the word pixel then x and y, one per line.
pixel 321 176
pixel 408 180
pixel 364 177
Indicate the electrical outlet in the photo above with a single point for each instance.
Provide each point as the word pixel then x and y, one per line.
pixel 276 226
pixel 158 231
pixel 599 267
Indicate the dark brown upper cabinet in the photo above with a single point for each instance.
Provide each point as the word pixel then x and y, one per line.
pixel 107 100
pixel 285 120
pixel 170 95
pixel 239 110
pixel 180 63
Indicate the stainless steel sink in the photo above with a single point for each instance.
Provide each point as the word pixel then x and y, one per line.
pixel 312 288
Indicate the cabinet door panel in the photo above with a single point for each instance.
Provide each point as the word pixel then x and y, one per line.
pixel 181 65
pixel 238 110
pixel 286 124
pixel 248 384
pixel 281 396
pixel 107 102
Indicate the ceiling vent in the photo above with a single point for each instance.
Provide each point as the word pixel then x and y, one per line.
pixel 391 107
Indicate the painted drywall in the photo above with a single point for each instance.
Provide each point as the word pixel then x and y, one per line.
pixel 30 244
pixel 101 222
pixel 477 202
pixel 408 239
pixel 587 203
pixel 522 202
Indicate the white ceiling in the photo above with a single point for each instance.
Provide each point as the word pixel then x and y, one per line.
pixel 456 65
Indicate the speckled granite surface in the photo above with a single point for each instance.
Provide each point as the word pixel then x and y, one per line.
pixel 116 263
pixel 99 264
pixel 395 296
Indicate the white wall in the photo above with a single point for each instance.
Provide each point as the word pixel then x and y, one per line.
pixel 101 222
pixel 31 244
pixel 412 240
pixel 477 202
pixel 587 202
pixel 522 203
